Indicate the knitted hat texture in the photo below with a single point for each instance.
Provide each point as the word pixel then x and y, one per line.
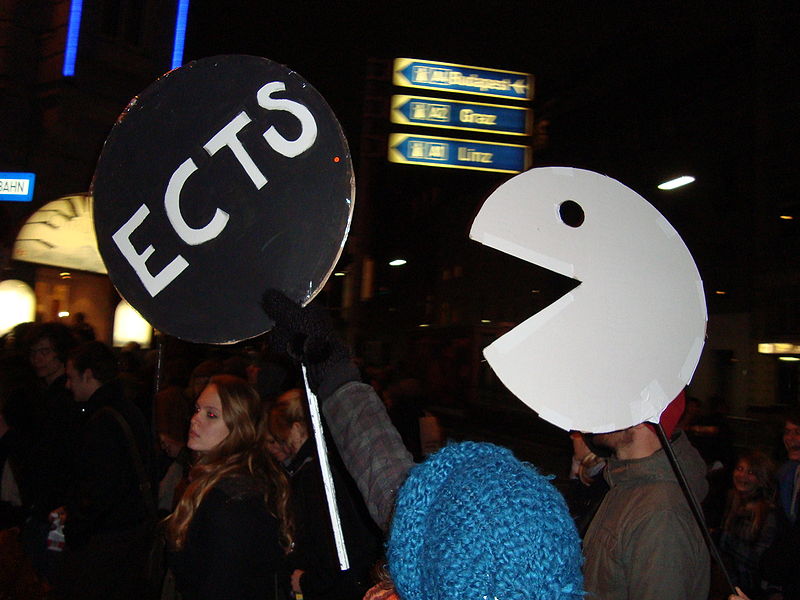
pixel 474 523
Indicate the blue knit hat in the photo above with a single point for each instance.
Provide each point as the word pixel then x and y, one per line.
pixel 474 523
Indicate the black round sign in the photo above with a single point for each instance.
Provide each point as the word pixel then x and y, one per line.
pixel 224 178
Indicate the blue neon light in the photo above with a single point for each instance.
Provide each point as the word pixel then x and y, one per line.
pixel 73 33
pixel 180 33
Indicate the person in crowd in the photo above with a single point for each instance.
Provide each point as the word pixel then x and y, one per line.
pixel 643 541
pixel 110 513
pixel 313 563
pixel 370 447
pixel 404 403
pixel 176 477
pixel 229 531
pixel 200 376
pixel 277 449
pixel 56 439
pixel 49 346
pixel 271 373
pixel 709 432
pixel 15 472
pixel 472 521
pixel 748 525
pixel 420 429
pixel 789 473
pixel 512 540
pixel 780 562
pixel 84 332
pixel 172 476
pixel 135 383
pixel 172 410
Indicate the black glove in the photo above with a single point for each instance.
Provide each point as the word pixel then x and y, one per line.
pixel 307 335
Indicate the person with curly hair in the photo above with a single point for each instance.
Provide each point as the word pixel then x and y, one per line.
pixel 230 530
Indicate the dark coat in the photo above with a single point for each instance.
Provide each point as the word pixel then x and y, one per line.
pixel 109 527
pixel 106 496
pixel 14 456
pixel 231 549
pixel 643 541
pixel 54 456
pixel 315 549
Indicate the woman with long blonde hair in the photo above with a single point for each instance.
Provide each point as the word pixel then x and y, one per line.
pixel 229 532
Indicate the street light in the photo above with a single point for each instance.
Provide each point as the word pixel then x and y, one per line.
pixel 397 262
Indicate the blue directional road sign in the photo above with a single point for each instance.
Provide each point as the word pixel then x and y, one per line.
pixel 463 79
pixel 470 116
pixel 458 154
pixel 17 187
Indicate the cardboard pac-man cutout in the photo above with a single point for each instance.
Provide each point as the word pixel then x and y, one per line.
pixel 224 178
pixel 621 345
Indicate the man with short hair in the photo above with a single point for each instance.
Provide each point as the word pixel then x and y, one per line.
pixel 108 518
pixel 54 433
pixel 789 472
pixel 643 541
pixel 50 343
pixel 780 562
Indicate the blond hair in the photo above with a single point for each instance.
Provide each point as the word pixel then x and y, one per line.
pixel 289 408
pixel 238 455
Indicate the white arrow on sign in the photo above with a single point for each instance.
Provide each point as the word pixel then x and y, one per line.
pixel 620 346
pixel 520 87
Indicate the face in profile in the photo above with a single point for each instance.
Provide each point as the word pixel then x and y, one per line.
pixel 207 427
pixel 79 383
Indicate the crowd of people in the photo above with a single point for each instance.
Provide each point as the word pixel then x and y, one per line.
pixel 210 487
pixel 749 507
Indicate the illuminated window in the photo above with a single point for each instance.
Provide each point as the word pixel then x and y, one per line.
pixel 778 348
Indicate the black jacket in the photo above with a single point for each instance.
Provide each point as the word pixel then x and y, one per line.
pixel 106 494
pixel 231 549
pixel 315 548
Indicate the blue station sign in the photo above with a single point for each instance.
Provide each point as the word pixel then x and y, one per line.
pixel 469 116
pixel 463 79
pixel 17 187
pixel 458 154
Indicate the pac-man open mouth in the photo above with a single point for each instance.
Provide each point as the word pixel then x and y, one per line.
pixel 619 326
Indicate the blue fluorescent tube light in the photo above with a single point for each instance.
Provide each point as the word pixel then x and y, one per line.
pixel 73 33
pixel 180 33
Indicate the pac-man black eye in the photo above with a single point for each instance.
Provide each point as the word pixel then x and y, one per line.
pixel 571 213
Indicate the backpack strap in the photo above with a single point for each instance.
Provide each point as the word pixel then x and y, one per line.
pixel 145 486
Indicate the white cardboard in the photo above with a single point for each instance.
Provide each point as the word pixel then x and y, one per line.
pixel 619 347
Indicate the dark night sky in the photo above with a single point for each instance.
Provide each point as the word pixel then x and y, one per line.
pixel 638 91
